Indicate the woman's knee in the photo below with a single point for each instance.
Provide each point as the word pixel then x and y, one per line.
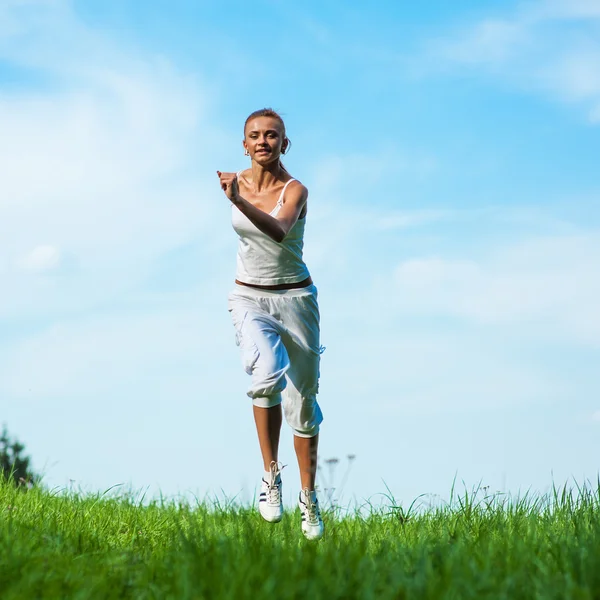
pixel 307 432
pixel 267 382
pixel 302 413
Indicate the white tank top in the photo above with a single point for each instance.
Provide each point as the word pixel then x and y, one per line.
pixel 261 260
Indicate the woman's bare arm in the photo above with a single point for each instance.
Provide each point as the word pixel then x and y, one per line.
pixel 275 227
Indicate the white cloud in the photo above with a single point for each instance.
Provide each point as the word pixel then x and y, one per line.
pixel 594 115
pixel 550 46
pixel 424 371
pixel 41 258
pixel 491 41
pixel 410 218
pixel 339 186
pixel 104 353
pixel 422 273
pixel 550 284
pixel 103 161
pixel 568 9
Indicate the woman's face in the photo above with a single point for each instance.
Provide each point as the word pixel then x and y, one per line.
pixel 264 139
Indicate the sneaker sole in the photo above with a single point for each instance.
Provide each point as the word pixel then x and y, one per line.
pixel 312 538
pixel 273 519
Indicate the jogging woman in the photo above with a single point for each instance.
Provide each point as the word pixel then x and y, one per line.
pixel 275 312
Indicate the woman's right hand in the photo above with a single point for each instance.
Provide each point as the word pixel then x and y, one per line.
pixel 229 184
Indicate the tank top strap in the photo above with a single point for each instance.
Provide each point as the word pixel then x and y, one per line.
pixel 280 201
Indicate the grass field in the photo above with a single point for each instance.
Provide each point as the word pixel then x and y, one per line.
pixel 64 545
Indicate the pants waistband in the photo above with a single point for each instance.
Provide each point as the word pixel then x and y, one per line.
pixel 244 290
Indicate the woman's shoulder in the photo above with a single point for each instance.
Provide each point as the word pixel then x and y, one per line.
pixel 297 185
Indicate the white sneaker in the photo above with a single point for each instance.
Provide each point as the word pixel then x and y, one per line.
pixel 270 504
pixel 312 523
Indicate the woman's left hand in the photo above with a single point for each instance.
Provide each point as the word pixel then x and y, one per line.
pixel 229 184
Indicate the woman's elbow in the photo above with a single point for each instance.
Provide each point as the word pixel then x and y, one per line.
pixel 279 235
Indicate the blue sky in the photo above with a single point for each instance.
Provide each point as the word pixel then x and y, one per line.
pixel 450 151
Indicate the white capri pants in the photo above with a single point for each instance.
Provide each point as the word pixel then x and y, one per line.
pixel 278 335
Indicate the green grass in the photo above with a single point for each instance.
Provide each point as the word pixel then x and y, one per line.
pixel 65 545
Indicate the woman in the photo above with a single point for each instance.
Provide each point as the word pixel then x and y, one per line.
pixel 275 312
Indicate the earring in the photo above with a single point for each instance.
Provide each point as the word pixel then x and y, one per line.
pixel 246 153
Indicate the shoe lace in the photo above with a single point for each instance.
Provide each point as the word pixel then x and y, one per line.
pixel 273 485
pixel 312 508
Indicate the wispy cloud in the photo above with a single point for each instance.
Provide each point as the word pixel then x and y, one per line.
pixel 550 285
pixel 550 46
pixel 100 353
pixel 98 163
pixel 41 258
